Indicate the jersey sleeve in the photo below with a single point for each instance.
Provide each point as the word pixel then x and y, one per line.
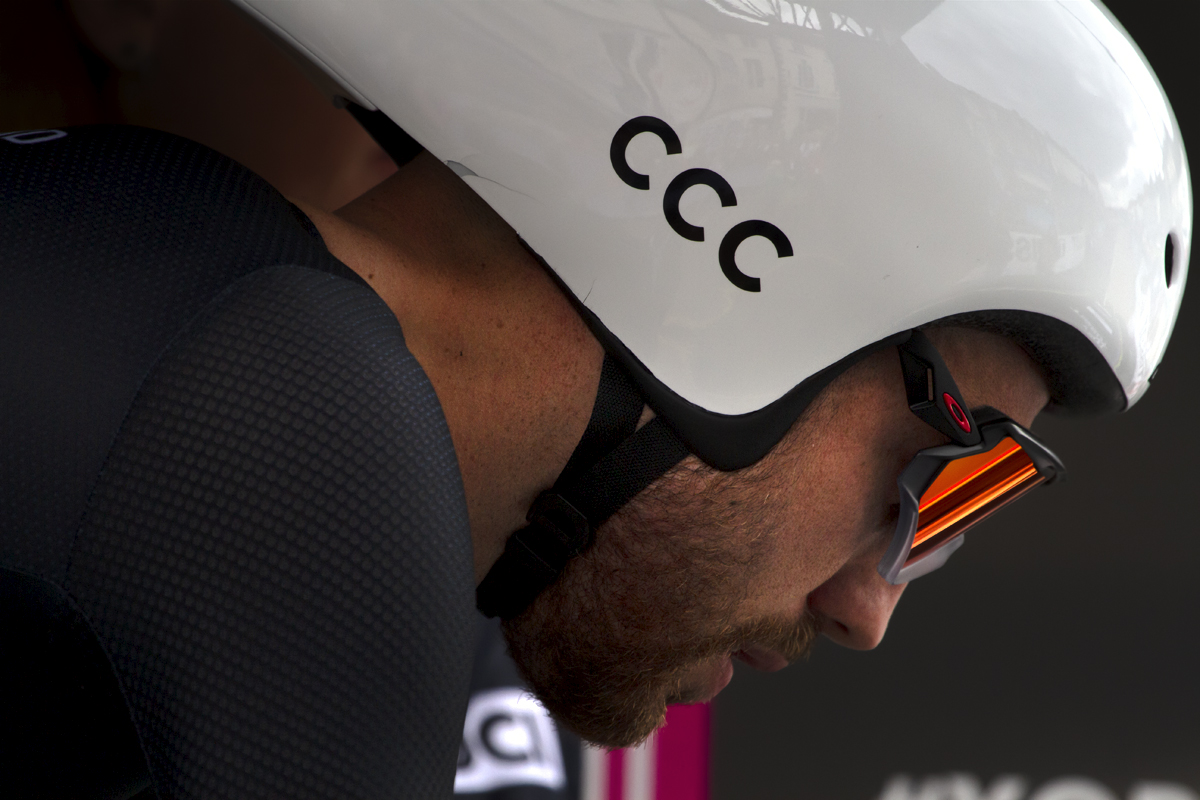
pixel 234 544
pixel 273 554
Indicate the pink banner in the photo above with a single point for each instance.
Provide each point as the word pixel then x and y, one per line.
pixel 672 765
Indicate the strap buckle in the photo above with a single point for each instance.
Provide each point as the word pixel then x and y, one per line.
pixel 534 556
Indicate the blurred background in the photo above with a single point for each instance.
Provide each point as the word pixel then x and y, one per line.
pixel 1059 657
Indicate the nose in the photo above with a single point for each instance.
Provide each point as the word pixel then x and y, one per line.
pixel 854 606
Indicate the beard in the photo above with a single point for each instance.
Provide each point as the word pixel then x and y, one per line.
pixel 629 623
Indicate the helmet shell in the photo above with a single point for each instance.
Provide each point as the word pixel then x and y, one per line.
pixel 922 159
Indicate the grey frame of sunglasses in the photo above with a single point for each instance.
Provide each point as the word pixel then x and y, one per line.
pixel 924 469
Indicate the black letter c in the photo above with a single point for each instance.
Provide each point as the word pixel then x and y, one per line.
pixel 684 181
pixel 493 747
pixel 621 139
pixel 740 233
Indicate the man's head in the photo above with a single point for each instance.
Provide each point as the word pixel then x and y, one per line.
pixel 706 566
pixel 741 202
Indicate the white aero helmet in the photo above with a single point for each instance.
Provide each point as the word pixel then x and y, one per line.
pixel 743 195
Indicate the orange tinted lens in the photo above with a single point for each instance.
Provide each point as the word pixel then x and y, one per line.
pixel 967 490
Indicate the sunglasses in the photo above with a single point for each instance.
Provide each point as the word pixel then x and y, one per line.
pixel 947 489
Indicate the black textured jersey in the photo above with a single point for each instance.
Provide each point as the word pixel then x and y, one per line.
pixel 234 551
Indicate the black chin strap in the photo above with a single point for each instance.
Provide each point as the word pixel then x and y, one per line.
pixel 612 463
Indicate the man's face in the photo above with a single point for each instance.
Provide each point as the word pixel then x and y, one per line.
pixel 704 566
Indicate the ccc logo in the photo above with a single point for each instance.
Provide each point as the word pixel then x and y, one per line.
pixel 686 180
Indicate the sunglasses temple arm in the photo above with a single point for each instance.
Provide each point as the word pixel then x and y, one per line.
pixel 932 394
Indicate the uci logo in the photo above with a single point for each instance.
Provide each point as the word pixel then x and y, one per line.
pixel 686 180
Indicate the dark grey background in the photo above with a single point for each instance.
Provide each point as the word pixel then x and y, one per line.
pixel 1062 639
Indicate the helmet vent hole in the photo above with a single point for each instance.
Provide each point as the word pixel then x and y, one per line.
pixel 1169 258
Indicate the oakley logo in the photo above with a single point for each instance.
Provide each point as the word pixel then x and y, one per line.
pixel 32 137
pixel 956 411
pixel 680 184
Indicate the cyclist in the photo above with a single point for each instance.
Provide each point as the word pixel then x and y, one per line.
pixel 806 393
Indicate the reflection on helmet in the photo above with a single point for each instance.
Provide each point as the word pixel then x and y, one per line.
pixel 1010 165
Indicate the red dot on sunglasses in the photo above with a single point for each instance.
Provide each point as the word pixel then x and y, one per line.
pixel 956 411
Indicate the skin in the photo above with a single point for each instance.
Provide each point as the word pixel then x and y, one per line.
pixel 514 366
pixel 847 455
pixel 703 567
pixel 517 370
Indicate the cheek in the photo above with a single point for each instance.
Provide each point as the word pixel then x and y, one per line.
pixel 806 551
pixel 835 511
pixel 846 499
